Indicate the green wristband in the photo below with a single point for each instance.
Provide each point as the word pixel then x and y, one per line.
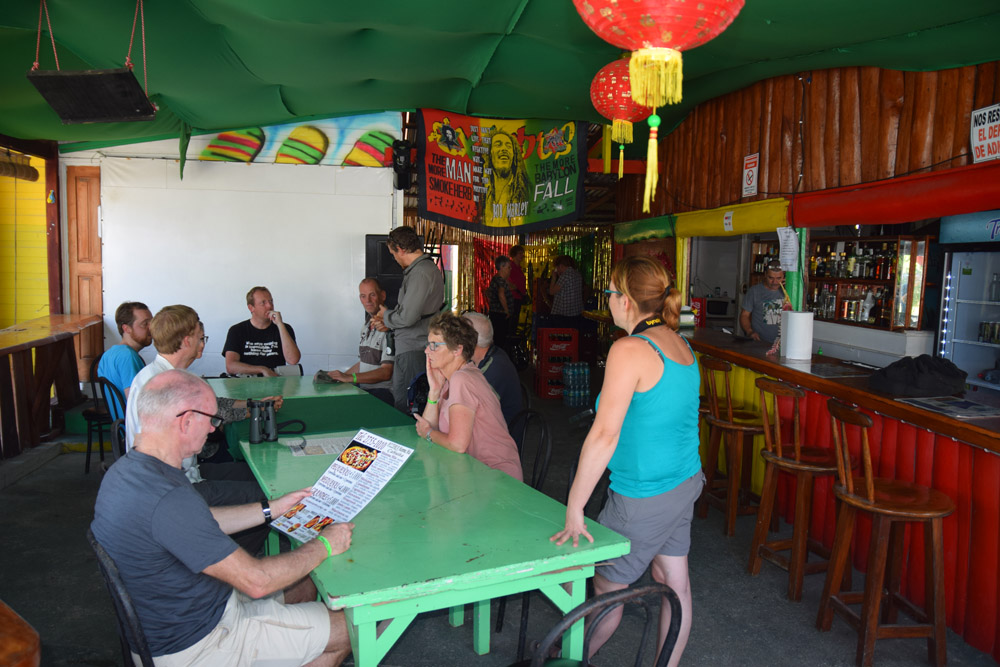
pixel 355 376
pixel 329 549
pixel 430 402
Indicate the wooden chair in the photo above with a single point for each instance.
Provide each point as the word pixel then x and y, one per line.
pixel 96 416
pixel 805 463
pixel 130 633
pixel 735 425
pixel 532 428
pixel 598 607
pixel 892 504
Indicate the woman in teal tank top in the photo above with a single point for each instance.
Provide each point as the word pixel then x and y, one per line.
pixel 646 432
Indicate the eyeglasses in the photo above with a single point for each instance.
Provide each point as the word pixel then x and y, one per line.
pixel 611 291
pixel 204 339
pixel 774 265
pixel 435 345
pixel 214 420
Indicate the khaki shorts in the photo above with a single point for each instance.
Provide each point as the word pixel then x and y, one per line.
pixel 258 632
pixel 658 525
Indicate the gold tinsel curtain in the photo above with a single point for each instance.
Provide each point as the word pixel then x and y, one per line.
pixel 540 248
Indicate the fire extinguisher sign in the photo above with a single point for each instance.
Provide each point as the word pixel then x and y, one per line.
pixel 750 166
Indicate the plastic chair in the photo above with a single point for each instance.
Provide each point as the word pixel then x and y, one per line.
pixel 533 428
pixel 97 416
pixel 805 463
pixel 118 438
pixel 600 606
pixel 130 632
pixel 891 504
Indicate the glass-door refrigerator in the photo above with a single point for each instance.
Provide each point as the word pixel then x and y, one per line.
pixel 969 333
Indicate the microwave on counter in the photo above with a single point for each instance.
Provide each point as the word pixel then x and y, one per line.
pixel 720 307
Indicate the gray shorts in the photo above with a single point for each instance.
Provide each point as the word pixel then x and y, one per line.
pixel 658 525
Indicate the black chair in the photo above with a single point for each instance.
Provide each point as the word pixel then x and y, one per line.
pixel 532 428
pixel 130 632
pixel 97 416
pixel 114 399
pixel 118 438
pixel 600 606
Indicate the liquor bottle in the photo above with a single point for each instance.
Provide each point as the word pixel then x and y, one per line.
pixel 812 265
pixel 866 307
pixel 875 314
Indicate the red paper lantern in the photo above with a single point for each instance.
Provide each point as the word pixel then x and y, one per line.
pixel 656 31
pixel 611 94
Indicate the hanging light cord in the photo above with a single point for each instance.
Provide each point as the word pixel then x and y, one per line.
pixel 140 18
pixel 38 42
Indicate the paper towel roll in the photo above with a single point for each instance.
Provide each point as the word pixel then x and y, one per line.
pixel 796 334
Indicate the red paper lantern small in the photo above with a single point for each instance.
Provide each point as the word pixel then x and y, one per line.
pixel 611 94
pixel 656 31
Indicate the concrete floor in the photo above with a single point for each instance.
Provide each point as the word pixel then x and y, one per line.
pixel 50 576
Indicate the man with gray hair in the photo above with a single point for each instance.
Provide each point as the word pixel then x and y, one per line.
pixel 496 366
pixel 201 598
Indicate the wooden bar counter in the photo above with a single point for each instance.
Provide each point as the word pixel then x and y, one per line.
pixel 34 356
pixel 957 456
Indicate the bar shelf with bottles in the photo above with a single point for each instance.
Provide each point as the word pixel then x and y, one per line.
pixel 868 282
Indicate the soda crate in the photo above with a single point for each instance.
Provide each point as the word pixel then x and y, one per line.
pixel 558 343
pixel 551 371
pixel 548 386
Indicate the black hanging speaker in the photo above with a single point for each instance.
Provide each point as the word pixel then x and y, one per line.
pixel 401 165
pixel 93 96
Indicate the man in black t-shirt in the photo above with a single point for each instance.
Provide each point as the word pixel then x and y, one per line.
pixel 259 345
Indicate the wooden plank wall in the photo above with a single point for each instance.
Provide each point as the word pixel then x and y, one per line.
pixel 859 124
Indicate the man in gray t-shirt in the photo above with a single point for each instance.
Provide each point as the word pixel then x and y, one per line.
pixel 192 586
pixel 761 313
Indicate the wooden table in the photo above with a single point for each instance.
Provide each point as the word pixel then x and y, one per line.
pixel 26 383
pixel 446 531
pixel 960 457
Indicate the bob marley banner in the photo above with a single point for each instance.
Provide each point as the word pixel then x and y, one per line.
pixel 500 176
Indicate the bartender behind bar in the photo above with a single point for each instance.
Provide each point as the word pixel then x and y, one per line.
pixel 761 313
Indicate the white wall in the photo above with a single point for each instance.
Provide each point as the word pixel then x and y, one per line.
pixel 206 240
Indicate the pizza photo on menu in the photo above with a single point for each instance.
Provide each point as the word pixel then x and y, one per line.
pixel 358 456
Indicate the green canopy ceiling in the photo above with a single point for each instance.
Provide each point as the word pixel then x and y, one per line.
pixel 219 64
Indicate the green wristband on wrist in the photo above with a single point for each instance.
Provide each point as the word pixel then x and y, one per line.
pixel 355 376
pixel 430 402
pixel 329 549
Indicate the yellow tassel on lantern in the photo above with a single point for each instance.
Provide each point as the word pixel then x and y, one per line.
pixel 621 131
pixel 621 161
pixel 606 148
pixel 652 155
pixel 656 76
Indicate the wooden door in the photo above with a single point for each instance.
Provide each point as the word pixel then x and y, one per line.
pixel 83 200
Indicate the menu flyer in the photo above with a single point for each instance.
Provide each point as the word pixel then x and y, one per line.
pixel 348 485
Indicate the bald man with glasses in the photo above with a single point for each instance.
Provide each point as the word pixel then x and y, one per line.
pixel 201 599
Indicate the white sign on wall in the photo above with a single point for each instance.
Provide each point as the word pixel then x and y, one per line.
pixel 984 133
pixel 727 221
pixel 750 166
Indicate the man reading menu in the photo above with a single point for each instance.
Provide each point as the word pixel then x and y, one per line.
pixel 201 598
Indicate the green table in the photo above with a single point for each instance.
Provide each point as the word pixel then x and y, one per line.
pixel 323 407
pixel 445 531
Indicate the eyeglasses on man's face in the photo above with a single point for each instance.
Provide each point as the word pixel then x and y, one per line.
pixel 215 420
pixel 434 345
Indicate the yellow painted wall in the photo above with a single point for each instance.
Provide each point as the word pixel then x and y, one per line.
pixel 24 290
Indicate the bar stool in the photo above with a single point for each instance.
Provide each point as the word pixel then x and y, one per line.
pixel 805 463
pixel 737 425
pixel 892 504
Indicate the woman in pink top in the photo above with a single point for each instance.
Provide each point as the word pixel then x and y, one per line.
pixel 463 412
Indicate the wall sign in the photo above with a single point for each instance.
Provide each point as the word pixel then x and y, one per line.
pixel 984 133
pixel 751 164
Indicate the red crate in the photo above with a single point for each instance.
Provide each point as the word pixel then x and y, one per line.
pixel 551 371
pixel 558 343
pixel 546 390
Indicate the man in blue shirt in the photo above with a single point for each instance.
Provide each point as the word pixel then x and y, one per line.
pixel 122 362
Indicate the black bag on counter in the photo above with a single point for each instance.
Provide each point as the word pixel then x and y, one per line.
pixel 922 376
